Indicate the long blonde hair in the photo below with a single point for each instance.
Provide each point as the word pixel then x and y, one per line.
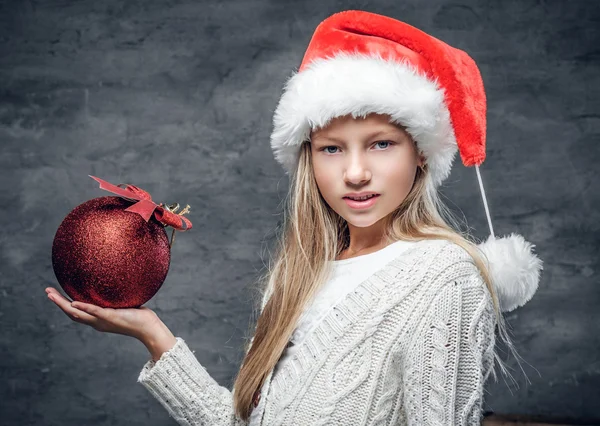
pixel 313 233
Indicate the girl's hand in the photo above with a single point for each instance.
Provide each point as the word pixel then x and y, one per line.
pixel 134 322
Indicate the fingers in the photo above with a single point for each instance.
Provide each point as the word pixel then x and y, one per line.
pixel 95 311
pixel 72 312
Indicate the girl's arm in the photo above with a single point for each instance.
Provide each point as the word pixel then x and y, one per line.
pixel 451 356
pixel 189 394
pixel 183 386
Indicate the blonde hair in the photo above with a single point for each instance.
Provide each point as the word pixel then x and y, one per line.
pixel 313 234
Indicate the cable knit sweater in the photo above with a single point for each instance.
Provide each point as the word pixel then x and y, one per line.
pixel 412 344
pixel 345 276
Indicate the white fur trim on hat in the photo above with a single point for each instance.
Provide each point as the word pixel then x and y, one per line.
pixel 358 85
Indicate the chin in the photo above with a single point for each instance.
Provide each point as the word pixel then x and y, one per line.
pixel 362 222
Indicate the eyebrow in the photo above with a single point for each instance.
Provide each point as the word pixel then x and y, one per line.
pixel 370 136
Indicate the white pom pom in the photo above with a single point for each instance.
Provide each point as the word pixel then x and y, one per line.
pixel 514 269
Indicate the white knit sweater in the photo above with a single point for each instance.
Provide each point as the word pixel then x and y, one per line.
pixel 344 277
pixel 411 344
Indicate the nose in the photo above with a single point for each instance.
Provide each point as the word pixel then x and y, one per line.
pixel 357 171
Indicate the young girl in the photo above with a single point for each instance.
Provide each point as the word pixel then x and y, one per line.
pixel 376 311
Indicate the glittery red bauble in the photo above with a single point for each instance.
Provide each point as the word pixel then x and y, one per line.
pixel 108 257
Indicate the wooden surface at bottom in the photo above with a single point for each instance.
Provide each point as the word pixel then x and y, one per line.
pixel 500 420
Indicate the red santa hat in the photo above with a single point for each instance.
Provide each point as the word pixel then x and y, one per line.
pixel 359 63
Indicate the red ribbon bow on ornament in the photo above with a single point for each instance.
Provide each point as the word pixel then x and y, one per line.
pixel 145 207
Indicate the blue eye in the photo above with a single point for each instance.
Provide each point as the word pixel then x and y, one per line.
pixel 326 148
pixel 388 142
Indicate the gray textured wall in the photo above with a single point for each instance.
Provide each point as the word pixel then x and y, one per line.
pixel 177 97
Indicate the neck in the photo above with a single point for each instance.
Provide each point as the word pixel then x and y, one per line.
pixel 365 240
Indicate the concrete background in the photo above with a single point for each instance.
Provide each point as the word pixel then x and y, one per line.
pixel 176 97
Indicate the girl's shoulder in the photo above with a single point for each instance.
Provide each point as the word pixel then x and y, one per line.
pixel 443 250
pixel 449 262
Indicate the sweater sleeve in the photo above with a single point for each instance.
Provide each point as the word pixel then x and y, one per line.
pixel 189 394
pixel 184 387
pixel 451 356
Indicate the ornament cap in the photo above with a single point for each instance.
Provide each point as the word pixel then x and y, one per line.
pixel 145 207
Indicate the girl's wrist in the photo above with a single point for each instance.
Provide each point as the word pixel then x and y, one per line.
pixel 158 340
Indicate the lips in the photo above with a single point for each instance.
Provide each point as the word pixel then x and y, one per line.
pixel 361 204
pixel 361 198
pixel 358 195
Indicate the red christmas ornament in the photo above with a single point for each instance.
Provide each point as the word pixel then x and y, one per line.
pixel 114 251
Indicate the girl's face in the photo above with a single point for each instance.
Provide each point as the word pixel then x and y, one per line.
pixel 364 155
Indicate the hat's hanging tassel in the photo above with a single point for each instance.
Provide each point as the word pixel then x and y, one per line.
pixel 173 209
pixel 514 269
pixel 485 205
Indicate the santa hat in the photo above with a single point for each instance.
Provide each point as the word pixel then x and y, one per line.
pixel 359 63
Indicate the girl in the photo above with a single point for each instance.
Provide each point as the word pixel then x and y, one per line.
pixel 376 311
